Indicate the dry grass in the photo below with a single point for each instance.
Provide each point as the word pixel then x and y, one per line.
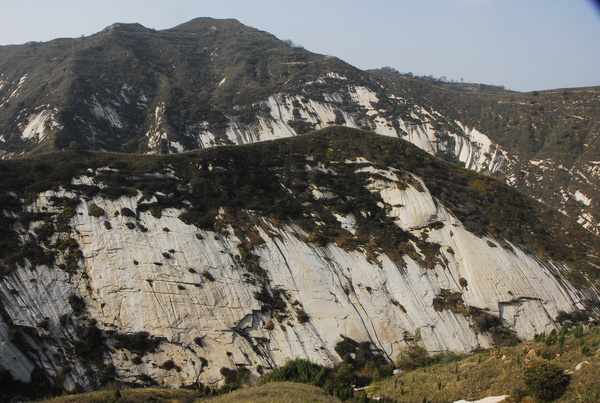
pixel 131 396
pixel 500 372
pixel 271 393
pixel 277 392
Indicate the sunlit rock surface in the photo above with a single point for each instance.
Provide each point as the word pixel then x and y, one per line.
pixel 189 289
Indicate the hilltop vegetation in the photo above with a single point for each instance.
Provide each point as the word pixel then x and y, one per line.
pixel 203 71
pixel 209 82
pixel 224 189
pixel 245 181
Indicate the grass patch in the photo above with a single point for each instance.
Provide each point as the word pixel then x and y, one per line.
pixel 501 372
pixel 279 392
pixel 132 396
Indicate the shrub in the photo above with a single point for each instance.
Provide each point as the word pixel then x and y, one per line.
pixel 139 343
pixel 546 381
pixel 169 365
pixel 303 316
pixel 95 211
pixel 127 212
pixel 413 357
pixel 234 378
pixel 43 324
pixel 90 344
pixel 552 338
pixel 298 370
pixel 77 304
pixel 573 317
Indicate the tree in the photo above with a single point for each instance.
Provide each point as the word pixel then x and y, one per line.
pixel 413 357
pixel 546 381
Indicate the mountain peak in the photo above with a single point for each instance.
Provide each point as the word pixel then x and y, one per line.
pixel 202 23
pixel 125 27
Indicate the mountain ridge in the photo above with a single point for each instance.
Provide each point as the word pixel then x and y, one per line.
pixel 242 256
pixel 212 82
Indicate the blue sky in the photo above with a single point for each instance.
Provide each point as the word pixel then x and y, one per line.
pixel 524 45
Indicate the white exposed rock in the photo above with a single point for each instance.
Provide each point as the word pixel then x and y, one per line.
pixel 580 197
pixel 333 74
pixel 16 91
pixel 491 399
pixel 470 146
pixel 322 194
pixel 153 281
pixel 478 153
pixel 13 360
pixel 348 222
pixel 106 112
pixel 35 128
pixel 156 132
pixel 363 96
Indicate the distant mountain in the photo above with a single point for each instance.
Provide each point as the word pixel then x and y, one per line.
pixel 132 89
pixel 209 82
pixel 194 268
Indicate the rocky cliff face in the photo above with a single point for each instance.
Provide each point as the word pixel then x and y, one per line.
pixel 133 290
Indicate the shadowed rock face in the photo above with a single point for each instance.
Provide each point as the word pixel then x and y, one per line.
pixel 133 284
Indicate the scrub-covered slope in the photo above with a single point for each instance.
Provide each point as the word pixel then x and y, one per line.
pixel 211 82
pixel 180 269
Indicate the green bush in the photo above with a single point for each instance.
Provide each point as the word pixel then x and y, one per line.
pixel 169 365
pixel 303 316
pixel 127 212
pixel 546 381
pixel 95 211
pixel 413 357
pixel 139 343
pixel 90 343
pixel 77 304
pixel 298 370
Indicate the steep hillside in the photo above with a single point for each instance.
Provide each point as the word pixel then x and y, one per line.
pixel 549 139
pixel 212 82
pixel 132 89
pixel 183 269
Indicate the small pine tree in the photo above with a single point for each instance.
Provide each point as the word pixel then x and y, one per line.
pixel 546 381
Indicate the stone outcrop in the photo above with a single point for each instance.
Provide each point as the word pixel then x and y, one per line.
pixel 157 300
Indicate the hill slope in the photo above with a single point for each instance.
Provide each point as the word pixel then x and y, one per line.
pixel 243 257
pixel 210 82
